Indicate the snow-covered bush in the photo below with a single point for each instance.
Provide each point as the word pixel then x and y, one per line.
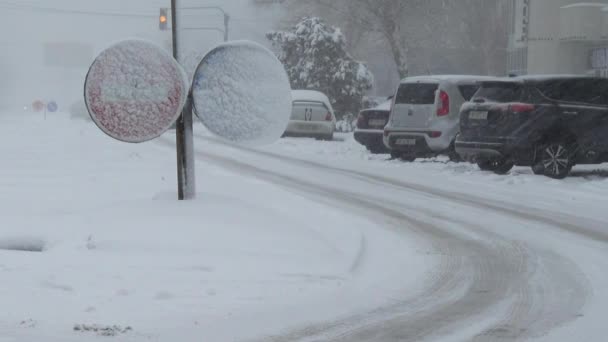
pixel 315 57
pixel 347 123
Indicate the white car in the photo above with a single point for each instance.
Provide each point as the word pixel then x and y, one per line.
pixel 311 116
pixel 425 115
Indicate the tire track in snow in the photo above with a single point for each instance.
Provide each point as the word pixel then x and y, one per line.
pixel 589 228
pixel 482 273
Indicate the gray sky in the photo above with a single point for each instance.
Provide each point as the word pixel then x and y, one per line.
pixel 24 61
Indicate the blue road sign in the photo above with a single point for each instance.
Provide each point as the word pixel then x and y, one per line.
pixel 52 106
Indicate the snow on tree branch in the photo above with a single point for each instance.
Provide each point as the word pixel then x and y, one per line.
pixel 316 57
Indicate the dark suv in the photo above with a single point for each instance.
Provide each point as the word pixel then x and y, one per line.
pixel 549 123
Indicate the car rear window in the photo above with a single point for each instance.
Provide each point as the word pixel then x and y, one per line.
pixel 592 91
pixel 416 93
pixel 310 104
pixel 467 91
pixel 499 92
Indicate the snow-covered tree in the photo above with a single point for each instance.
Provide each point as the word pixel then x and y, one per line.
pixel 315 56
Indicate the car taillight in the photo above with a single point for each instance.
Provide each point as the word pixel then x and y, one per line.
pixel 328 117
pixel 360 120
pixel 435 134
pixel 444 104
pixel 521 107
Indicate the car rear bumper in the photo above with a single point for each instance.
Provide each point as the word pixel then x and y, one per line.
pixel 519 151
pixel 424 144
pixel 370 138
pixel 309 128
pixel 472 150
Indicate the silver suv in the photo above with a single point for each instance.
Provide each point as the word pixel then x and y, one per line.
pixel 425 115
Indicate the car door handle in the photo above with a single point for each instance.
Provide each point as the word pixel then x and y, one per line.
pixel 570 113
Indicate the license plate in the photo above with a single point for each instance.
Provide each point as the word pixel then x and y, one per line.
pixel 477 115
pixel 377 122
pixel 408 142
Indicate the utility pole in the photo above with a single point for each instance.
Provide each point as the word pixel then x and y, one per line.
pixel 226 26
pixel 186 184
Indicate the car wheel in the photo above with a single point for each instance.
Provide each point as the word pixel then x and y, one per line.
pixel 408 157
pixel 376 150
pixel 538 169
pixel 499 166
pixel 556 159
pixel 454 157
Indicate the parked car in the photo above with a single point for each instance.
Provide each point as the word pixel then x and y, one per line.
pixel 549 123
pixel 370 127
pixel 312 116
pixel 425 113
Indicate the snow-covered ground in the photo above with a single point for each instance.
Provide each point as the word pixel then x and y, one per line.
pixel 246 259
pixel 301 240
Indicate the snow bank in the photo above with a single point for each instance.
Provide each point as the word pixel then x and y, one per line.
pixel 135 91
pixel 242 93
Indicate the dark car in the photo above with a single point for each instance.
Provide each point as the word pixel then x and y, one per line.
pixel 549 123
pixel 370 128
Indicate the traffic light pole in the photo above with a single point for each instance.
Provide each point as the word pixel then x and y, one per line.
pixel 186 184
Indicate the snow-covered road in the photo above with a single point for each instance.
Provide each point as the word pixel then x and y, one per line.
pixel 511 268
pixel 298 241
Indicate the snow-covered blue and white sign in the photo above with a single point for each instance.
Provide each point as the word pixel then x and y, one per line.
pixel 241 92
pixel 135 91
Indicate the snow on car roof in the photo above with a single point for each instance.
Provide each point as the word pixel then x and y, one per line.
pixel 453 78
pixel 386 106
pixel 537 78
pixel 310 95
pixel 585 4
pixel 549 77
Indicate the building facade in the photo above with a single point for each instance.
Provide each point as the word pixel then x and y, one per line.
pixel 558 37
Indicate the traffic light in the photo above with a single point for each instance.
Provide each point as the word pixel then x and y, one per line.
pixel 163 19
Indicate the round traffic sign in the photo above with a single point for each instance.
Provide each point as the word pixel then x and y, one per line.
pixel 241 92
pixel 38 106
pixel 135 91
pixel 52 107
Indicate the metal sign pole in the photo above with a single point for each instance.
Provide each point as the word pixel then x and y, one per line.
pixel 186 187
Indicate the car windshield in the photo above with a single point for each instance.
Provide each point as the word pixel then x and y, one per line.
pixel 420 93
pixel 303 170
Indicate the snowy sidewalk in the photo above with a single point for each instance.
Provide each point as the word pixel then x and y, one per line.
pixel 244 260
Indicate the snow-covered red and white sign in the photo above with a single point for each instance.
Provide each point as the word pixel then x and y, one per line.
pixel 38 106
pixel 135 91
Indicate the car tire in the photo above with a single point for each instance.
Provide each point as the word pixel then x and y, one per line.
pixel 499 166
pixel 556 159
pixel 408 157
pixel 538 169
pixel 325 137
pixel 376 150
pixel 454 157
